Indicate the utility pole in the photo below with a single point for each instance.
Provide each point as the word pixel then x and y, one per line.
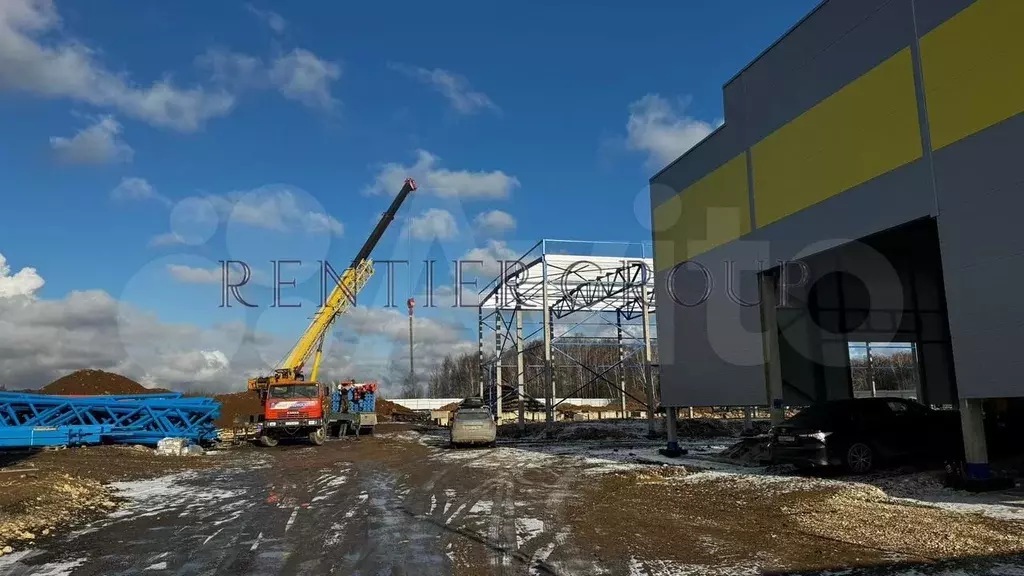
pixel 412 371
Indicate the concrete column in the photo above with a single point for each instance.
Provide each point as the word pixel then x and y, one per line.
pixel 672 449
pixel 773 365
pixel 520 369
pixel 648 358
pixel 972 421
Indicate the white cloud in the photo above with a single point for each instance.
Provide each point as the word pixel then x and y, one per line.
pixel 274 208
pixel 434 223
pixel 24 282
pixel 275 21
pixel 452 86
pixel 662 131
pixel 298 75
pixel 38 58
pixel 132 188
pixel 319 222
pixel 491 257
pixel 469 295
pixel 96 144
pixel 194 275
pixel 443 182
pixel 43 339
pixel 495 222
pixel 168 239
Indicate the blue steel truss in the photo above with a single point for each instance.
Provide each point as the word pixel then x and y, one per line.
pixel 41 420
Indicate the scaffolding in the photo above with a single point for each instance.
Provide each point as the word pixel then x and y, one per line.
pixel 570 294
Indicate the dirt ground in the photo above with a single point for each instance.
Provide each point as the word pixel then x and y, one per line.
pixel 42 492
pixel 403 502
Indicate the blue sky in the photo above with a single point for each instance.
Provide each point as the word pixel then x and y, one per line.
pixel 554 114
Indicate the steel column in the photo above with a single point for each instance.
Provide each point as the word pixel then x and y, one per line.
pixel 549 382
pixel 497 362
pixel 773 364
pixel 480 348
pixel 622 359
pixel 520 371
pixel 648 374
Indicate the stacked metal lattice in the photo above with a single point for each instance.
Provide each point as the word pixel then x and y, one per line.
pixel 28 420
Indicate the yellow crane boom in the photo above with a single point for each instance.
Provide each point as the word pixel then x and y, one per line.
pixel 342 297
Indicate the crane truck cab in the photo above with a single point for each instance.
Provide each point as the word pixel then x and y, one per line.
pixel 293 408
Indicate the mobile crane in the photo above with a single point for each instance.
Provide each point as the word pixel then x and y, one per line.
pixel 294 407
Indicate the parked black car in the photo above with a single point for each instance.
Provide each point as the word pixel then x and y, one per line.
pixel 863 434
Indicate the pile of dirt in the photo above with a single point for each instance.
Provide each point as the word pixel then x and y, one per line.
pixel 387 409
pixel 236 408
pixel 96 383
pixel 447 407
pixel 752 451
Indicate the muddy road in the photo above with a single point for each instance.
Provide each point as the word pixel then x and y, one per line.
pixel 402 503
pixel 378 505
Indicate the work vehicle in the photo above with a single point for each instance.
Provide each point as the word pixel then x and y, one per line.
pixel 353 408
pixel 294 407
pixel 473 426
pixel 864 434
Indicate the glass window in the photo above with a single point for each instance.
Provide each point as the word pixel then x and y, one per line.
pixel 473 416
pixel 299 391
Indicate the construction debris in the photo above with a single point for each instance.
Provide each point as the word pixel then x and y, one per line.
pixel 177 447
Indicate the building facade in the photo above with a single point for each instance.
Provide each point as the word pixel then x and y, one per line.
pixel 866 182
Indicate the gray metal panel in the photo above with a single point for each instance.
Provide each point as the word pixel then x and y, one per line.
pixel 894 198
pixel 931 13
pixel 721 146
pixel 715 356
pixel 836 45
pixel 980 187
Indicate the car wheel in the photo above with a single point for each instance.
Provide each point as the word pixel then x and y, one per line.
pixel 860 458
pixel 268 441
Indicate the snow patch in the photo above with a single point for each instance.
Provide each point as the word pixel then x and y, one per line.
pixel 482 507
pixel 527 529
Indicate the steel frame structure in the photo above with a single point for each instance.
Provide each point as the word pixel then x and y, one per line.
pixel 28 420
pixel 558 287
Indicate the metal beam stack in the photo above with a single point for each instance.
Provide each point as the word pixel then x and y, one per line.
pixel 31 420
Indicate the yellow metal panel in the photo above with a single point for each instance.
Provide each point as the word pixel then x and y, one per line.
pixel 710 212
pixel 867 128
pixel 972 65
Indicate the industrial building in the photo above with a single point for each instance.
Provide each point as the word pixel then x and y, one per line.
pixel 864 188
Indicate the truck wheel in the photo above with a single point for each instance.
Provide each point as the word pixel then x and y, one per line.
pixel 317 437
pixel 268 441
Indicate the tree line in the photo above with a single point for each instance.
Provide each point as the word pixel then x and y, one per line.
pixel 576 364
